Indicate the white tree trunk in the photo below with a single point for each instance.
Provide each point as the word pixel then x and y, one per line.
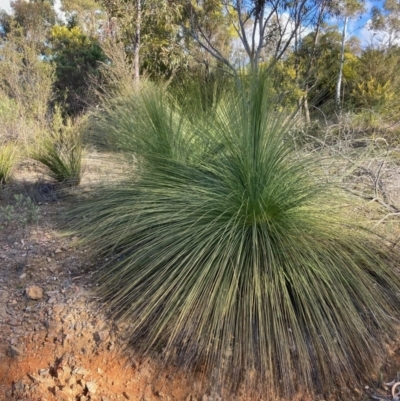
pixel 340 75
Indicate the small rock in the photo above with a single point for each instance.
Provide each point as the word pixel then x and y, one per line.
pixel 19 386
pixel 63 376
pixel 67 318
pixel 126 395
pixel 91 387
pixel 44 372
pixel 78 326
pixel 58 250
pixel 101 336
pixel 100 371
pixel 80 371
pixel 34 292
pixel 48 259
pixel 35 378
pixel 62 396
pixel 58 308
pixel 71 381
pixel 52 326
pixel 22 276
pixel 14 351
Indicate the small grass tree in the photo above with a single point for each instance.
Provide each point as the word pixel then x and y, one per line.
pixel 8 159
pixel 229 254
pixel 61 150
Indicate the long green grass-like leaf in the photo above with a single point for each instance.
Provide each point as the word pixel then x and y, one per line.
pixel 8 159
pixel 61 154
pixel 230 255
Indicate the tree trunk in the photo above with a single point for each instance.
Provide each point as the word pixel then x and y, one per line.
pixel 340 75
pixel 136 45
pixel 306 107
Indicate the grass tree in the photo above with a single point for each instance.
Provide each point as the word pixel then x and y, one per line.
pixel 8 159
pixel 60 150
pixel 228 254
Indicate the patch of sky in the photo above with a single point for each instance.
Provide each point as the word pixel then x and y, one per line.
pixel 5 5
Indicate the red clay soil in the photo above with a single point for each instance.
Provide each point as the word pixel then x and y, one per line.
pixel 101 375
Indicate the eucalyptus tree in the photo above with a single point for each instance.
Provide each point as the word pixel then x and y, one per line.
pixel 150 32
pixel 386 22
pixel 266 29
pixel 84 13
pixel 35 18
pixel 346 10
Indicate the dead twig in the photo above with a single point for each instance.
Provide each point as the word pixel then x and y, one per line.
pixel 384 218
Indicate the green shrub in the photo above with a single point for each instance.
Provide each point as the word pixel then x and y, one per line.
pixel 76 58
pixel 24 211
pixel 8 158
pixel 61 151
pixel 229 254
